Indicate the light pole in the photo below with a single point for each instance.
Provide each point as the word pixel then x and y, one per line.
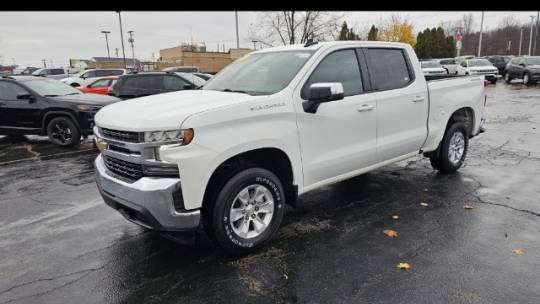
pixel 520 41
pixel 107 42
pixel 237 39
pixel 122 38
pixel 536 31
pixel 530 35
pixel 131 40
pixel 480 40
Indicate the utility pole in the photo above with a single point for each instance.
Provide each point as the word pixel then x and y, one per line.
pixel 237 39
pixel 131 40
pixel 122 38
pixel 480 40
pixel 116 52
pixel 107 42
pixel 530 35
pixel 520 41
pixel 536 31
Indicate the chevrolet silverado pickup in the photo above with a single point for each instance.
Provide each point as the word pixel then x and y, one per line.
pixel 273 125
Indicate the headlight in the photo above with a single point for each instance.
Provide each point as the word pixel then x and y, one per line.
pixel 86 108
pixel 183 137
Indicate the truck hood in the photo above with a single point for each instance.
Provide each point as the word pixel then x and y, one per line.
pixel 165 111
pixel 88 99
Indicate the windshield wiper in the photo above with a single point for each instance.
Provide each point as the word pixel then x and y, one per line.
pixel 74 93
pixel 234 91
pixel 51 95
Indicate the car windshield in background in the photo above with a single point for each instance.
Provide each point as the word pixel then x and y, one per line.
pixel 430 64
pixel 480 62
pixel 260 74
pixel 51 88
pixel 533 60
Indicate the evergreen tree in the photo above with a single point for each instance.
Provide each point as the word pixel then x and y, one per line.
pixel 420 47
pixel 373 33
pixel 344 33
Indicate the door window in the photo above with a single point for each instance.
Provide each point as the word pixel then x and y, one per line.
pixel 174 83
pixel 10 91
pixel 341 66
pixel 100 83
pixel 388 68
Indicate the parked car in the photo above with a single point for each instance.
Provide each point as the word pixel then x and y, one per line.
pixel 150 83
pixel 26 71
pixel 499 62
pixel 478 66
pixel 101 85
pixel 281 122
pixel 87 76
pixel 204 76
pixel 526 68
pixel 182 69
pixel 54 73
pixel 450 64
pixel 432 67
pixel 43 106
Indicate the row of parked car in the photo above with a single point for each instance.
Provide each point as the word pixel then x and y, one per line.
pixel 509 67
pixel 64 109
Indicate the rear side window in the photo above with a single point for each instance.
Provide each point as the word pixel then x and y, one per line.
pixel 128 83
pixel 388 68
pixel 174 83
pixel 340 66
pixel 154 82
pixel 57 71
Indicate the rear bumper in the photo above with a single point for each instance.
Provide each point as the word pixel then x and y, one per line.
pixel 148 202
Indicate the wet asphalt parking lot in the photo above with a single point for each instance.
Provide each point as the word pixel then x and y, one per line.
pixel 59 243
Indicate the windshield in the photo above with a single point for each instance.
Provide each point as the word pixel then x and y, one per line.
pixel 532 60
pixel 260 74
pixel 430 64
pixel 50 87
pixel 479 62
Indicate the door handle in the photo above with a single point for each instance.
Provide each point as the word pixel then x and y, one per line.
pixel 418 99
pixel 365 108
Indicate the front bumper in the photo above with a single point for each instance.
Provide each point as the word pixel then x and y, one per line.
pixel 148 201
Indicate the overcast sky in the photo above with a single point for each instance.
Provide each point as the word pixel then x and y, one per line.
pixel 29 37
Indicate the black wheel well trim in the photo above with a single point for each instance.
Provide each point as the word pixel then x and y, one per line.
pixel 47 117
pixel 465 115
pixel 272 159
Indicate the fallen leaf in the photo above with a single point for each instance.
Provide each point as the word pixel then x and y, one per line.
pixel 467 206
pixel 390 233
pixel 518 251
pixel 395 217
pixel 424 204
pixel 404 266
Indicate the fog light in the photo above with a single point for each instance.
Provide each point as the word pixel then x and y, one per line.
pixel 100 144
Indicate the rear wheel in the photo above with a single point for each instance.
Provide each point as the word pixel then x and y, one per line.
pixel 507 77
pixel 63 132
pixel 450 155
pixel 248 211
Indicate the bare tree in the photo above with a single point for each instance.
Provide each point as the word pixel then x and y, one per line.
pixel 290 27
pixel 467 24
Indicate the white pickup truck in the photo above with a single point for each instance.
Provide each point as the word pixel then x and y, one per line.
pixel 273 125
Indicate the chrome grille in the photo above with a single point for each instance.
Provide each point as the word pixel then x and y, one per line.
pixel 123 168
pixel 121 135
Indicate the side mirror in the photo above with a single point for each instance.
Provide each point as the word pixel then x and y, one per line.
pixel 322 92
pixel 28 97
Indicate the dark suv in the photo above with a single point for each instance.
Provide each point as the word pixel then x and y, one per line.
pixel 499 62
pixel 150 83
pixel 526 68
pixel 44 106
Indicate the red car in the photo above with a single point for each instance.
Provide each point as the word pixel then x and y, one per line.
pixel 102 85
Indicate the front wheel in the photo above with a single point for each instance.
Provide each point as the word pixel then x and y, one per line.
pixel 450 155
pixel 526 78
pixel 63 132
pixel 248 211
pixel 507 77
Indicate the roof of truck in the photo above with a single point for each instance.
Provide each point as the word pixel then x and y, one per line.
pixel 319 45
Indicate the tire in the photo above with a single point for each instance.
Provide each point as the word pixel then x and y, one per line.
pixel 493 81
pixel 231 235
pixel 527 78
pixel 443 159
pixel 63 132
pixel 507 77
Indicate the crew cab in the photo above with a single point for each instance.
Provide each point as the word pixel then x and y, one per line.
pixel 42 106
pixel 273 125
pixel 478 66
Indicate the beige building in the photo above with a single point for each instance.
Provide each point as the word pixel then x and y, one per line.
pixel 208 62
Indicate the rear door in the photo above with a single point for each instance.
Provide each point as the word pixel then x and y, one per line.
pixel 402 102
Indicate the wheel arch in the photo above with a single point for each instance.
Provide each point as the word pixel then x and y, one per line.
pixel 47 117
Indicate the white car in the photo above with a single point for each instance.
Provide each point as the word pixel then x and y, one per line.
pixel 276 124
pixel 450 64
pixel 478 66
pixel 87 76
pixel 432 67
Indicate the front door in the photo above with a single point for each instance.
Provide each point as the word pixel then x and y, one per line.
pixel 16 113
pixel 341 136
